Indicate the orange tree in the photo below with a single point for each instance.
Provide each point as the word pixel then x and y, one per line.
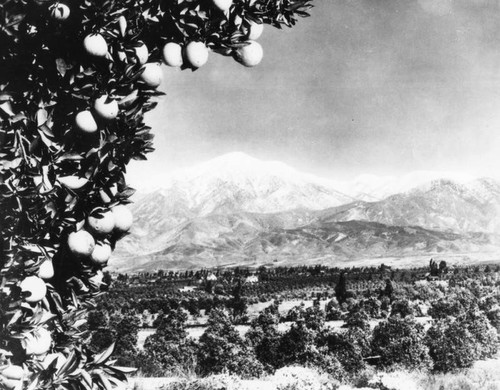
pixel 76 78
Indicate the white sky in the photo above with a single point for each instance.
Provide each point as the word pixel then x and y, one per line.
pixel 378 87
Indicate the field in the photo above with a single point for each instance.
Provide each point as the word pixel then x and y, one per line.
pixel 383 328
pixel 484 375
pixel 195 331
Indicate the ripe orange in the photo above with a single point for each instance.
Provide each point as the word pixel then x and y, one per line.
pixel 13 372
pixel 101 222
pixel 10 384
pixel 101 254
pixel 250 55
pixel 73 182
pixel 85 122
pixel 223 5
pixel 142 54
pixel 11 376
pixel 123 218
pixel 255 31
pixel 95 45
pixel 46 270
pixel 81 243
pixel 172 54
pixel 196 54
pixel 106 108
pixel 38 342
pixel 60 11
pixel 35 287
pixel 152 75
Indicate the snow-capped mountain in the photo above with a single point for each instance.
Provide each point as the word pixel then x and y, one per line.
pixel 442 205
pixel 238 182
pixel 372 188
pixel 234 183
pixel 237 209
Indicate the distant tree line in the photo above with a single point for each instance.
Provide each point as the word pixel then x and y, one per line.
pixel 381 325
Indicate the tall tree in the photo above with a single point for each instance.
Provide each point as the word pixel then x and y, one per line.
pixel 341 288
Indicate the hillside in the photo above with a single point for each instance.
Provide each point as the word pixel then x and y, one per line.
pixel 239 210
pixel 442 205
pixel 243 240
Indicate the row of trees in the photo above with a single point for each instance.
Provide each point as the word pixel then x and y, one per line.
pixel 449 342
pixel 356 274
pixel 150 302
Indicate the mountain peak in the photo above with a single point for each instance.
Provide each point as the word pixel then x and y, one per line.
pixel 235 157
pixel 239 163
pixel 237 181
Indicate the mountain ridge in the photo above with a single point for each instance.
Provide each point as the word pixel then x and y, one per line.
pixel 234 206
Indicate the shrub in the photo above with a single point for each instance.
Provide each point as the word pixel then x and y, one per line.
pixel 451 345
pixel 297 345
pixel 346 350
pixel 332 313
pixel 485 336
pixel 445 307
pixel 314 318
pixel 221 349
pixel 371 306
pixel 265 339
pixel 402 308
pixel 400 341
pixel 494 317
pixel 295 313
pixel 357 319
pixel 169 349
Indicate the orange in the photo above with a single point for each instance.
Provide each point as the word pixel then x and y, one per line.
pixel 35 287
pixel 85 122
pixel 38 342
pixel 255 31
pixel 152 75
pixel 46 270
pixel 101 253
pixel 141 53
pixel 101 222
pixel 81 243
pixel 196 54
pixel 123 218
pixel 250 55
pixel 95 45
pixel 106 108
pixel 11 376
pixel 13 372
pixel 60 11
pixel 172 54
pixel 223 5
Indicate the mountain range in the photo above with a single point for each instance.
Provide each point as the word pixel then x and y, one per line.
pixel 238 210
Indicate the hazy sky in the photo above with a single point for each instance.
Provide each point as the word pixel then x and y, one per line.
pixel 363 86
